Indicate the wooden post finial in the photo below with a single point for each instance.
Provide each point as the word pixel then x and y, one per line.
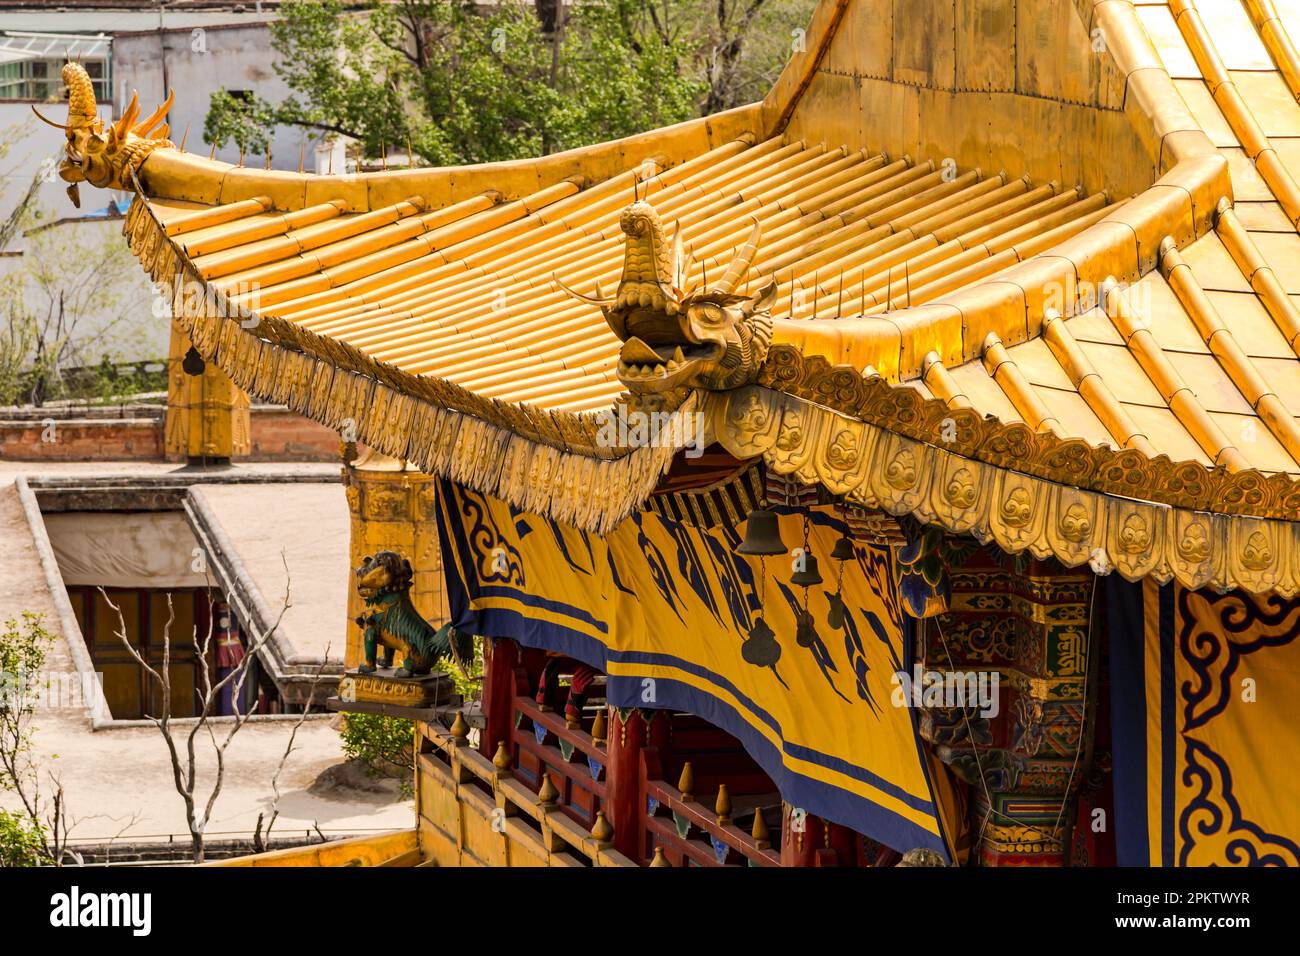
pixel 759 831
pixel 601 831
pixel 660 859
pixel 722 807
pixel 599 729
pixel 686 784
pixel 548 794
pixel 502 759
pixel 459 729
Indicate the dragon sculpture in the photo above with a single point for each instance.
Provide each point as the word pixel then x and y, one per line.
pixel 677 337
pixel 104 155
pixel 391 621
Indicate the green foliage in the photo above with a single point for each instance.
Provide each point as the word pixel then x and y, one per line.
pixel 17 344
pixel 462 84
pixel 24 643
pixel 22 842
pixel 384 746
pixel 470 683
pixel 64 282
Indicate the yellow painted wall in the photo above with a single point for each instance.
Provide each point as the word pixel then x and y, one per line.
pixel 397 848
pixel 471 814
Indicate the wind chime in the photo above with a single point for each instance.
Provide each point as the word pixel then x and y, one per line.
pixel 762 540
pixel 842 552
pixel 806 575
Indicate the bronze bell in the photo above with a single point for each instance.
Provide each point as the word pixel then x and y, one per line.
pixel 762 534
pixel 844 550
pixel 835 617
pixel 193 363
pixel 808 575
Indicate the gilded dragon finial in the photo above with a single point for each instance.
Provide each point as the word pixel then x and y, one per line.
pixel 104 155
pixel 676 337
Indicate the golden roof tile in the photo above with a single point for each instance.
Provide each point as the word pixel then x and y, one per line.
pixel 1136 327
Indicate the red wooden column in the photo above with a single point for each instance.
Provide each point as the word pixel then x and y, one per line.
pixel 624 801
pixel 501 655
pixel 798 843
pixel 808 840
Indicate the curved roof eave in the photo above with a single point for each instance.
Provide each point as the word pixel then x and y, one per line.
pixel 546 456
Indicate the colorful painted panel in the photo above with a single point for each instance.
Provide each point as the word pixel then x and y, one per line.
pixel 665 609
pixel 1204 693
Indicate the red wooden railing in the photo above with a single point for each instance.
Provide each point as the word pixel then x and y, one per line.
pixel 687 832
pixel 540 742
pixel 634 780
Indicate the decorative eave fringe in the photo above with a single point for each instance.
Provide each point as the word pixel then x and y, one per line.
pixel 872 463
pixel 878 446
pixel 547 462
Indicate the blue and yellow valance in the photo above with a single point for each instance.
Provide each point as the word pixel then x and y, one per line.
pixel 664 609
pixel 1205 689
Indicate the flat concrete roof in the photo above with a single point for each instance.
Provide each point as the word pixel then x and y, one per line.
pixel 117 780
pixel 267 536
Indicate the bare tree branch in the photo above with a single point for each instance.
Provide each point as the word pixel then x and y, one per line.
pixel 185 770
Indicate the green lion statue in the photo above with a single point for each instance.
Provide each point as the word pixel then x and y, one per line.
pixel 391 621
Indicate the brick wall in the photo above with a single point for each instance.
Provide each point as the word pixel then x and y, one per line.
pixel 81 439
pixel 281 435
pixel 135 433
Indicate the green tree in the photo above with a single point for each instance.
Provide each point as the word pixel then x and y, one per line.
pixel 69 280
pixel 465 84
pixel 384 746
pixel 35 830
pixel 22 843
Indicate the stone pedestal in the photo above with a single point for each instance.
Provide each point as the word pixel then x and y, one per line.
pixel 383 687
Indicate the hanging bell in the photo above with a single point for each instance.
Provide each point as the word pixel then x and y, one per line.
pixel 844 550
pixel 193 363
pixel 805 634
pixel 762 534
pixel 761 648
pixel 835 617
pixel 808 575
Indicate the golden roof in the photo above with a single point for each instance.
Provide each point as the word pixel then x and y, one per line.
pixel 1035 280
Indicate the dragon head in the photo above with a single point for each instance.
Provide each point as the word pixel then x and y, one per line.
pixel 104 155
pixel 677 338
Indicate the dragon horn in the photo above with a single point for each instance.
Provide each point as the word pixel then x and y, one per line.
pixel 739 263
pixel 688 263
pixel 121 127
pixel 143 128
pixel 590 300
pixel 679 269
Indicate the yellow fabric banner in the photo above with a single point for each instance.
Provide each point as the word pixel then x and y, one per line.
pixel 1204 692
pixel 665 610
